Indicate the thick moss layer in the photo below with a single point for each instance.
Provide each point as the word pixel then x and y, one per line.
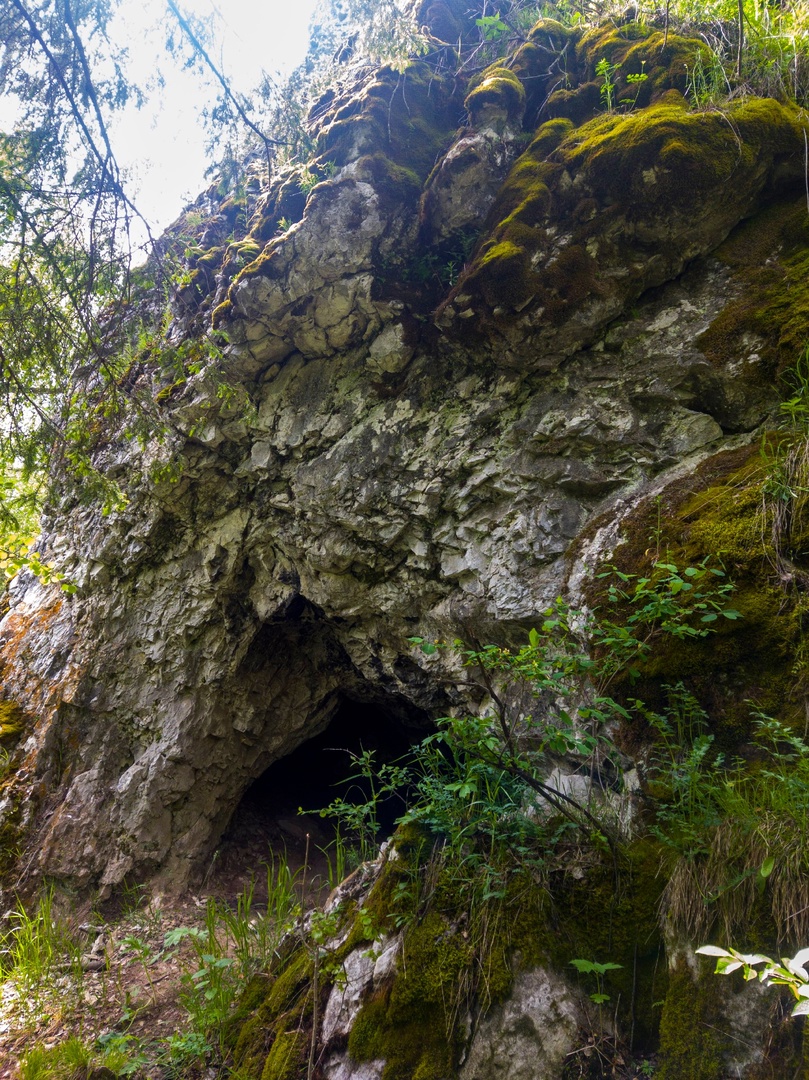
pixel 609 914
pixel 392 129
pixel 603 187
pixel 402 1022
pixel 12 723
pixel 547 56
pixel 287 1056
pixel 270 1031
pixel 691 1041
pixel 497 90
pixel 634 50
pixel 718 514
pixel 558 67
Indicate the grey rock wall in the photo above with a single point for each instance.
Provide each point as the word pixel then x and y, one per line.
pixel 365 478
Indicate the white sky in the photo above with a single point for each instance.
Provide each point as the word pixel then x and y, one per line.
pixel 161 147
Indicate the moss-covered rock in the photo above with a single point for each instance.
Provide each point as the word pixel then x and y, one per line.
pixel 769 256
pixel 496 99
pixel 409 116
pixel 720 514
pixel 12 723
pixel 271 1029
pixel 691 1035
pixel 589 217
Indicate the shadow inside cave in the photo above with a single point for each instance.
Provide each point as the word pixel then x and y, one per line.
pixel 279 815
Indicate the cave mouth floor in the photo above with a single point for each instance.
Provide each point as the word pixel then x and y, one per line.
pixel 278 818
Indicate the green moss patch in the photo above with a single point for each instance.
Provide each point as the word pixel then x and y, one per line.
pixel 603 913
pixel 691 1040
pixel 645 65
pixel 625 170
pixel 402 1023
pixel 498 90
pixel 694 153
pixel 270 1031
pixel 12 722
pixel 287 1056
pixel 633 49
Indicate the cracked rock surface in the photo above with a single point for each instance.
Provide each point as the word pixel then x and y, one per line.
pixel 380 466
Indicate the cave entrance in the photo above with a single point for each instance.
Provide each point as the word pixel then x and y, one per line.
pixel 282 805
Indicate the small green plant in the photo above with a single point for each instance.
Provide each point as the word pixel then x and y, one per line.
pixel 112 1054
pixel 737 830
pixel 637 80
pixel 357 813
pixel 605 70
pixel 285 224
pixel 122 1054
pixel 183 1051
pixel 790 972
pixel 231 946
pixel 141 949
pixel 307 180
pixel 598 970
pixel 492 27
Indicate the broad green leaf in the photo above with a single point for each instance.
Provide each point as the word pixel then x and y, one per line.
pixel 767 867
pixel 727 965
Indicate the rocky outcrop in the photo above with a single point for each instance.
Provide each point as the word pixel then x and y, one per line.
pixel 491 342
pixel 352 473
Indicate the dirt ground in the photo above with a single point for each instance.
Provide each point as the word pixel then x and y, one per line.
pixel 119 976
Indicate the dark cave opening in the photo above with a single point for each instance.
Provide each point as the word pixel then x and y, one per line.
pixel 281 807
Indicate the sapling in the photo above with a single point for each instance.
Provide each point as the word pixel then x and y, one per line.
pixel 606 70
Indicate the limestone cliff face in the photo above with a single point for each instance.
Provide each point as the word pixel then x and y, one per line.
pixel 486 331
pixel 500 326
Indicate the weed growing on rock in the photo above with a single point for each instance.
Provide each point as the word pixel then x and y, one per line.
pixel 605 70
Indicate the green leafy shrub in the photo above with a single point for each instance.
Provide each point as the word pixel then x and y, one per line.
pixel 790 972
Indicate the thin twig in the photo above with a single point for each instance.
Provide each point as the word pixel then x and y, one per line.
pixel 220 78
